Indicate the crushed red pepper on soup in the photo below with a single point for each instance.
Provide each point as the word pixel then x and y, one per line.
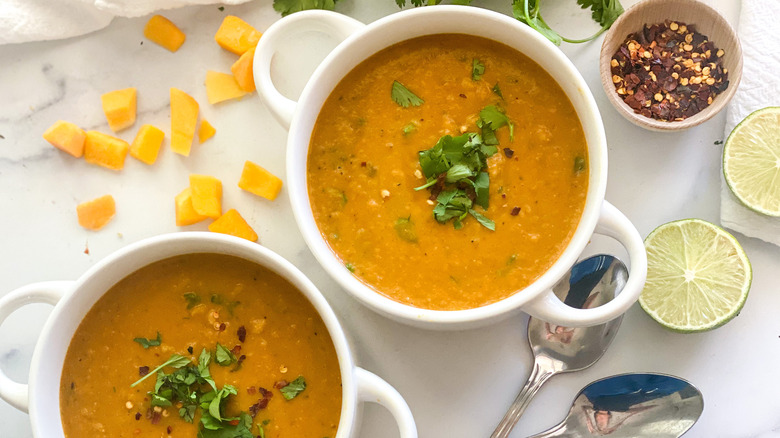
pixel 201 345
pixel 408 187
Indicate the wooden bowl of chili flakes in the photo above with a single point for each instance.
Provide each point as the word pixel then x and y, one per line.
pixel 668 65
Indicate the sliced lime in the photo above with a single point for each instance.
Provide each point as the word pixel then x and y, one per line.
pixel 751 161
pixel 698 277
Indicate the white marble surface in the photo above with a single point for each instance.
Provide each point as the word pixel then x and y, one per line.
pixel 457 383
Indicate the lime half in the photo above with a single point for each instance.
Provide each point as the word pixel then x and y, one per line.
pixel 751 161
pixel 698 277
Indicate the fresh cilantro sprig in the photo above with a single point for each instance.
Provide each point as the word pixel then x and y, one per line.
pixel 294 388
pixel 287 7
pixel 477 69
pixel 403 97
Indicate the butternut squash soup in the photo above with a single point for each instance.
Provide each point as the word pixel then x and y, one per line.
pixel 448 171
pixel 202 345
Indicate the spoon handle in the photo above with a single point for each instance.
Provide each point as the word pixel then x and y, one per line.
pixel 541 372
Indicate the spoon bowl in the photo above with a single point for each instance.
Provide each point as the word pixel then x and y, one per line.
pixel 557 349
pixel 632 405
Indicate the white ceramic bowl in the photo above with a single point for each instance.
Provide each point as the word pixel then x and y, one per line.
pixel 360 42
pixel 73 299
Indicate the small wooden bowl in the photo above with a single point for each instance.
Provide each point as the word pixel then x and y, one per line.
pixel 707 21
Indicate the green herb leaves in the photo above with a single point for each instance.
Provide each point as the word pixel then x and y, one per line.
pixel 224 356
pixel 286 7
pixel 294 388
pixel 477 69
pixel 404 227
pixel 492 118
pixel 604 12
pixel 403 97
pixel 146 343
pixel 454 171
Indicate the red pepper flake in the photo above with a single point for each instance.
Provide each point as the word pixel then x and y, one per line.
pixel 222 327
pixel 251 390
pixel 515 211
pixel 235 350
pixel 261 403
pixel 281 384
pixel 668 71
pixel 137 416
pixel 142 371
pixel 363 164
pixel 190 349
pixel 241 334
pixel 169 430
pixel 234 422
pixel 72 385
pixel 509 152
pixel 462 95
pixel 86 248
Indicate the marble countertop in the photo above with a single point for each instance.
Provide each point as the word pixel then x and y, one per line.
pixel 457 383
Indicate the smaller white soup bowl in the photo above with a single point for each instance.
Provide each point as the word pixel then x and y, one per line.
pixel 359 42
pixel 73 299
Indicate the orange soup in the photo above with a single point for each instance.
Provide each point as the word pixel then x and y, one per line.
pixel 201 345
pixel 447 172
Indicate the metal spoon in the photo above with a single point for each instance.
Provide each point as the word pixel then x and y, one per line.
pixel 590 283
pixel 630 406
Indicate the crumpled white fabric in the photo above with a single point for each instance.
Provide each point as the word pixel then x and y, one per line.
pixel 38 20
pixel 759 28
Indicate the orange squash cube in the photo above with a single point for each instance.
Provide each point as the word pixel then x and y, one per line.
pixel 232 223
pixel 243 72
pixel 236 35
pixel 120 108
pixel 105 150
pixel 206 131
pixel 255 179
pixel 67 137
pixel 185 213
pixel 221 87
pixel 147 144
pixel 184 120
pixel 206 195
pixel 95 214
pixel 163 32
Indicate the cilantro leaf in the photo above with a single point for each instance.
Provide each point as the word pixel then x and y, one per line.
pixel 404 227
pixel 146 343
pixel 603 12
pixel 497 91
pixel 224 356
pixel 527 11
pixel 487 223
pixel 242 429
pixel 294 388
pixel 287 7
pixel 176 361
pixel 403 97
pixel 481 183
pixel 192 298
pixel 477 69
pixel 492 117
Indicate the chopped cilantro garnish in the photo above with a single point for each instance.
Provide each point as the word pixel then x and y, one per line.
pixel 176 361
pixel 492 118
pixel 404 227
pixel 286 7
pixel 224 356
pixel 349 267
pixel 146 343
pixel 497 90
pixel 579 164
pixel 192 298
pixel 294 388
pixel 402 96
pixel 477 69
pixel 409 129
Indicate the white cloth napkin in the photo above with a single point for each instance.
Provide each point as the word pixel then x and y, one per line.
pixel 37 20
pixel 759 29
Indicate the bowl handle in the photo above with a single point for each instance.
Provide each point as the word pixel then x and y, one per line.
pixel 548 307
pixel 331 23
pixel 49 292
pixel 371 388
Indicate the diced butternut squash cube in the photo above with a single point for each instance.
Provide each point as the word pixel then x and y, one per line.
pixel 120 108
pixel 221 87
pixel 147 144
pixel 95 214
pixel 105 150
pixel 232 223
pixel 242 71
pixel 163 32
pixel 206 195
pixel 255 179
pixel 206 131
pixel 185 213
pixel 67 137
pixel 236 35
pixel 184 120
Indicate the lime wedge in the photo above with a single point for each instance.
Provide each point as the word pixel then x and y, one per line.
pixel 698 277
pixel 751 161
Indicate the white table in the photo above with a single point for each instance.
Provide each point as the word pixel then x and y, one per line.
pixel 457 383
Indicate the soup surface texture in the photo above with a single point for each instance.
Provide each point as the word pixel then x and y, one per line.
pixel 363 168
pixel 258 332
